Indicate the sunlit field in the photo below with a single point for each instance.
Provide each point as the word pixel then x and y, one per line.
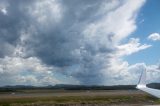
pixel 76 98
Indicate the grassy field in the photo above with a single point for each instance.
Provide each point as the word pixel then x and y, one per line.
pixel 76 98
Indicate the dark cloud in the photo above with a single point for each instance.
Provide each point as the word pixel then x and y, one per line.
pixel 12 23
pixel 63 44
pixel 79 37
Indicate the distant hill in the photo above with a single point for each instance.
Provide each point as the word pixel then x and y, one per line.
pixel 74 87
pixel 67 87
pixel 154 85
pixel 94 87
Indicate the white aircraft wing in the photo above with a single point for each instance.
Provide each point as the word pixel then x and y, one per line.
pixel 151 91
pixel 142 86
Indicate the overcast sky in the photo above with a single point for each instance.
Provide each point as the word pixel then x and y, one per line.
pixel 91 42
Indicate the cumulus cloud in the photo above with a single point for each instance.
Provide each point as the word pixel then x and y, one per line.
pixel 152 72
pixel 154 36
pixel 79 39
pixel 30 71
pixel 131 47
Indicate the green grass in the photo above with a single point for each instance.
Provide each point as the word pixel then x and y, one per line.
pixel 78 100
pixel 76 97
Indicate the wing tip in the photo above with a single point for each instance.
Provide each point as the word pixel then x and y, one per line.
pixel 142 80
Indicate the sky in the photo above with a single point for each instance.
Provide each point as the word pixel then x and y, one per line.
pixel 88 42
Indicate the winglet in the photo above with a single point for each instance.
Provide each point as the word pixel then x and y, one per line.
pixel 142 80
pixel 142 86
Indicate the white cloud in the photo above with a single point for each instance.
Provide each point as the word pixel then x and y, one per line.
pixel 3 7
pixel 131 47
pixel 29 71
pixel 4 11
pixel 152 72
pixel 46 12
pixel 116 24
pixel 154 37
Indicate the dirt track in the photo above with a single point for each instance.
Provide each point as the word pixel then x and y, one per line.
pixel 73 93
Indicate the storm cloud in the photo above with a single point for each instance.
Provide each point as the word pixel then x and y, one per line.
pixel 76 39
